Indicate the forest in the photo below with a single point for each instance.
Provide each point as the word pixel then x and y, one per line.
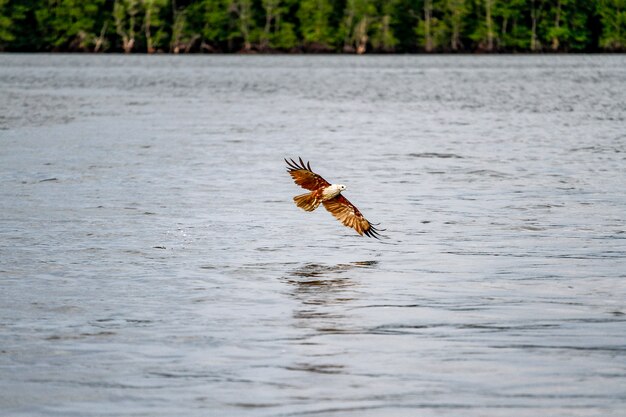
pixel 313 26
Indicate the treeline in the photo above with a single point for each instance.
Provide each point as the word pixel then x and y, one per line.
pixel 351 26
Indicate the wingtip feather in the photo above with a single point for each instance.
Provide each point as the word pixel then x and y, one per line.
pixel 292 165
pixel 374 232
pixel 298 165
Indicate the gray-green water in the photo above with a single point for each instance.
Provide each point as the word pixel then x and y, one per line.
pixel 152 262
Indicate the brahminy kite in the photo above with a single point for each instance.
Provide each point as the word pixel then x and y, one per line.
pixel 323 192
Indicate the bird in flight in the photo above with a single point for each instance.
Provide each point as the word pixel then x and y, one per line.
pixel 323 192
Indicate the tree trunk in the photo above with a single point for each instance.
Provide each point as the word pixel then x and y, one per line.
pixel 266 30
pixel 128 44
pixel 245 30
pixel 243 9
pixel 361 36
pixel 533 38
pixel 270 7
pixel 174 44
pixel 189 44
pixel 318 23
pixel 386 44
pixel 557 23
pixel 428 14
pixel 456 29
pixel 347 42
pixel 147 17
pixel 120 13
pixel 489 25
pixel 100 39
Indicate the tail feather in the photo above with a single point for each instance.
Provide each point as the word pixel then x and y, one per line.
pixel 308 201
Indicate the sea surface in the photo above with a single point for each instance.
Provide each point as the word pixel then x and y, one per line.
pixel 153 263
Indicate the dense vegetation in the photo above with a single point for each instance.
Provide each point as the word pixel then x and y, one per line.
pixel 312 25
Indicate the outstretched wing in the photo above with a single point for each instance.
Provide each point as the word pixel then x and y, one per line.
pixel 304 176
pixel 350 216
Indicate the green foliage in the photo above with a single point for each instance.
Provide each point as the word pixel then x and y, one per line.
pixel 245 30
pixel 69 24
pixel 155 28
pixel 6 34
pixel 20 20
pixel 405 18
pixel 455 14
pixel 285 37
pixel 215 21
pixel 383 38
pixel 512 30
pixel 356 25
pixel 484 34
pixel 278 31
pixel 126 15
pixel 313 25
pixel 565 26
pixel 613 17
pixel 432 30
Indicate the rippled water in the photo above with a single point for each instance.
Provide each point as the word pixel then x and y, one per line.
pixel 152 262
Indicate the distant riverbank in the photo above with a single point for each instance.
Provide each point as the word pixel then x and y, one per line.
pixel 313 26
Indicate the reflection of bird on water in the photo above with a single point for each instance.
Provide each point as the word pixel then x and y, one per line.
pixel 320 284
pixel 323 192
pixel 321 271
pixel 324 294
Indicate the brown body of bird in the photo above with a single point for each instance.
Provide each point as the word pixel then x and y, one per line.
pixel 329 195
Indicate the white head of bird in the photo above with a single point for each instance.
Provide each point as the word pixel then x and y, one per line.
pixel 333 190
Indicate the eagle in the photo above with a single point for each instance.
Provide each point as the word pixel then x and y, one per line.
pixel 323 192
